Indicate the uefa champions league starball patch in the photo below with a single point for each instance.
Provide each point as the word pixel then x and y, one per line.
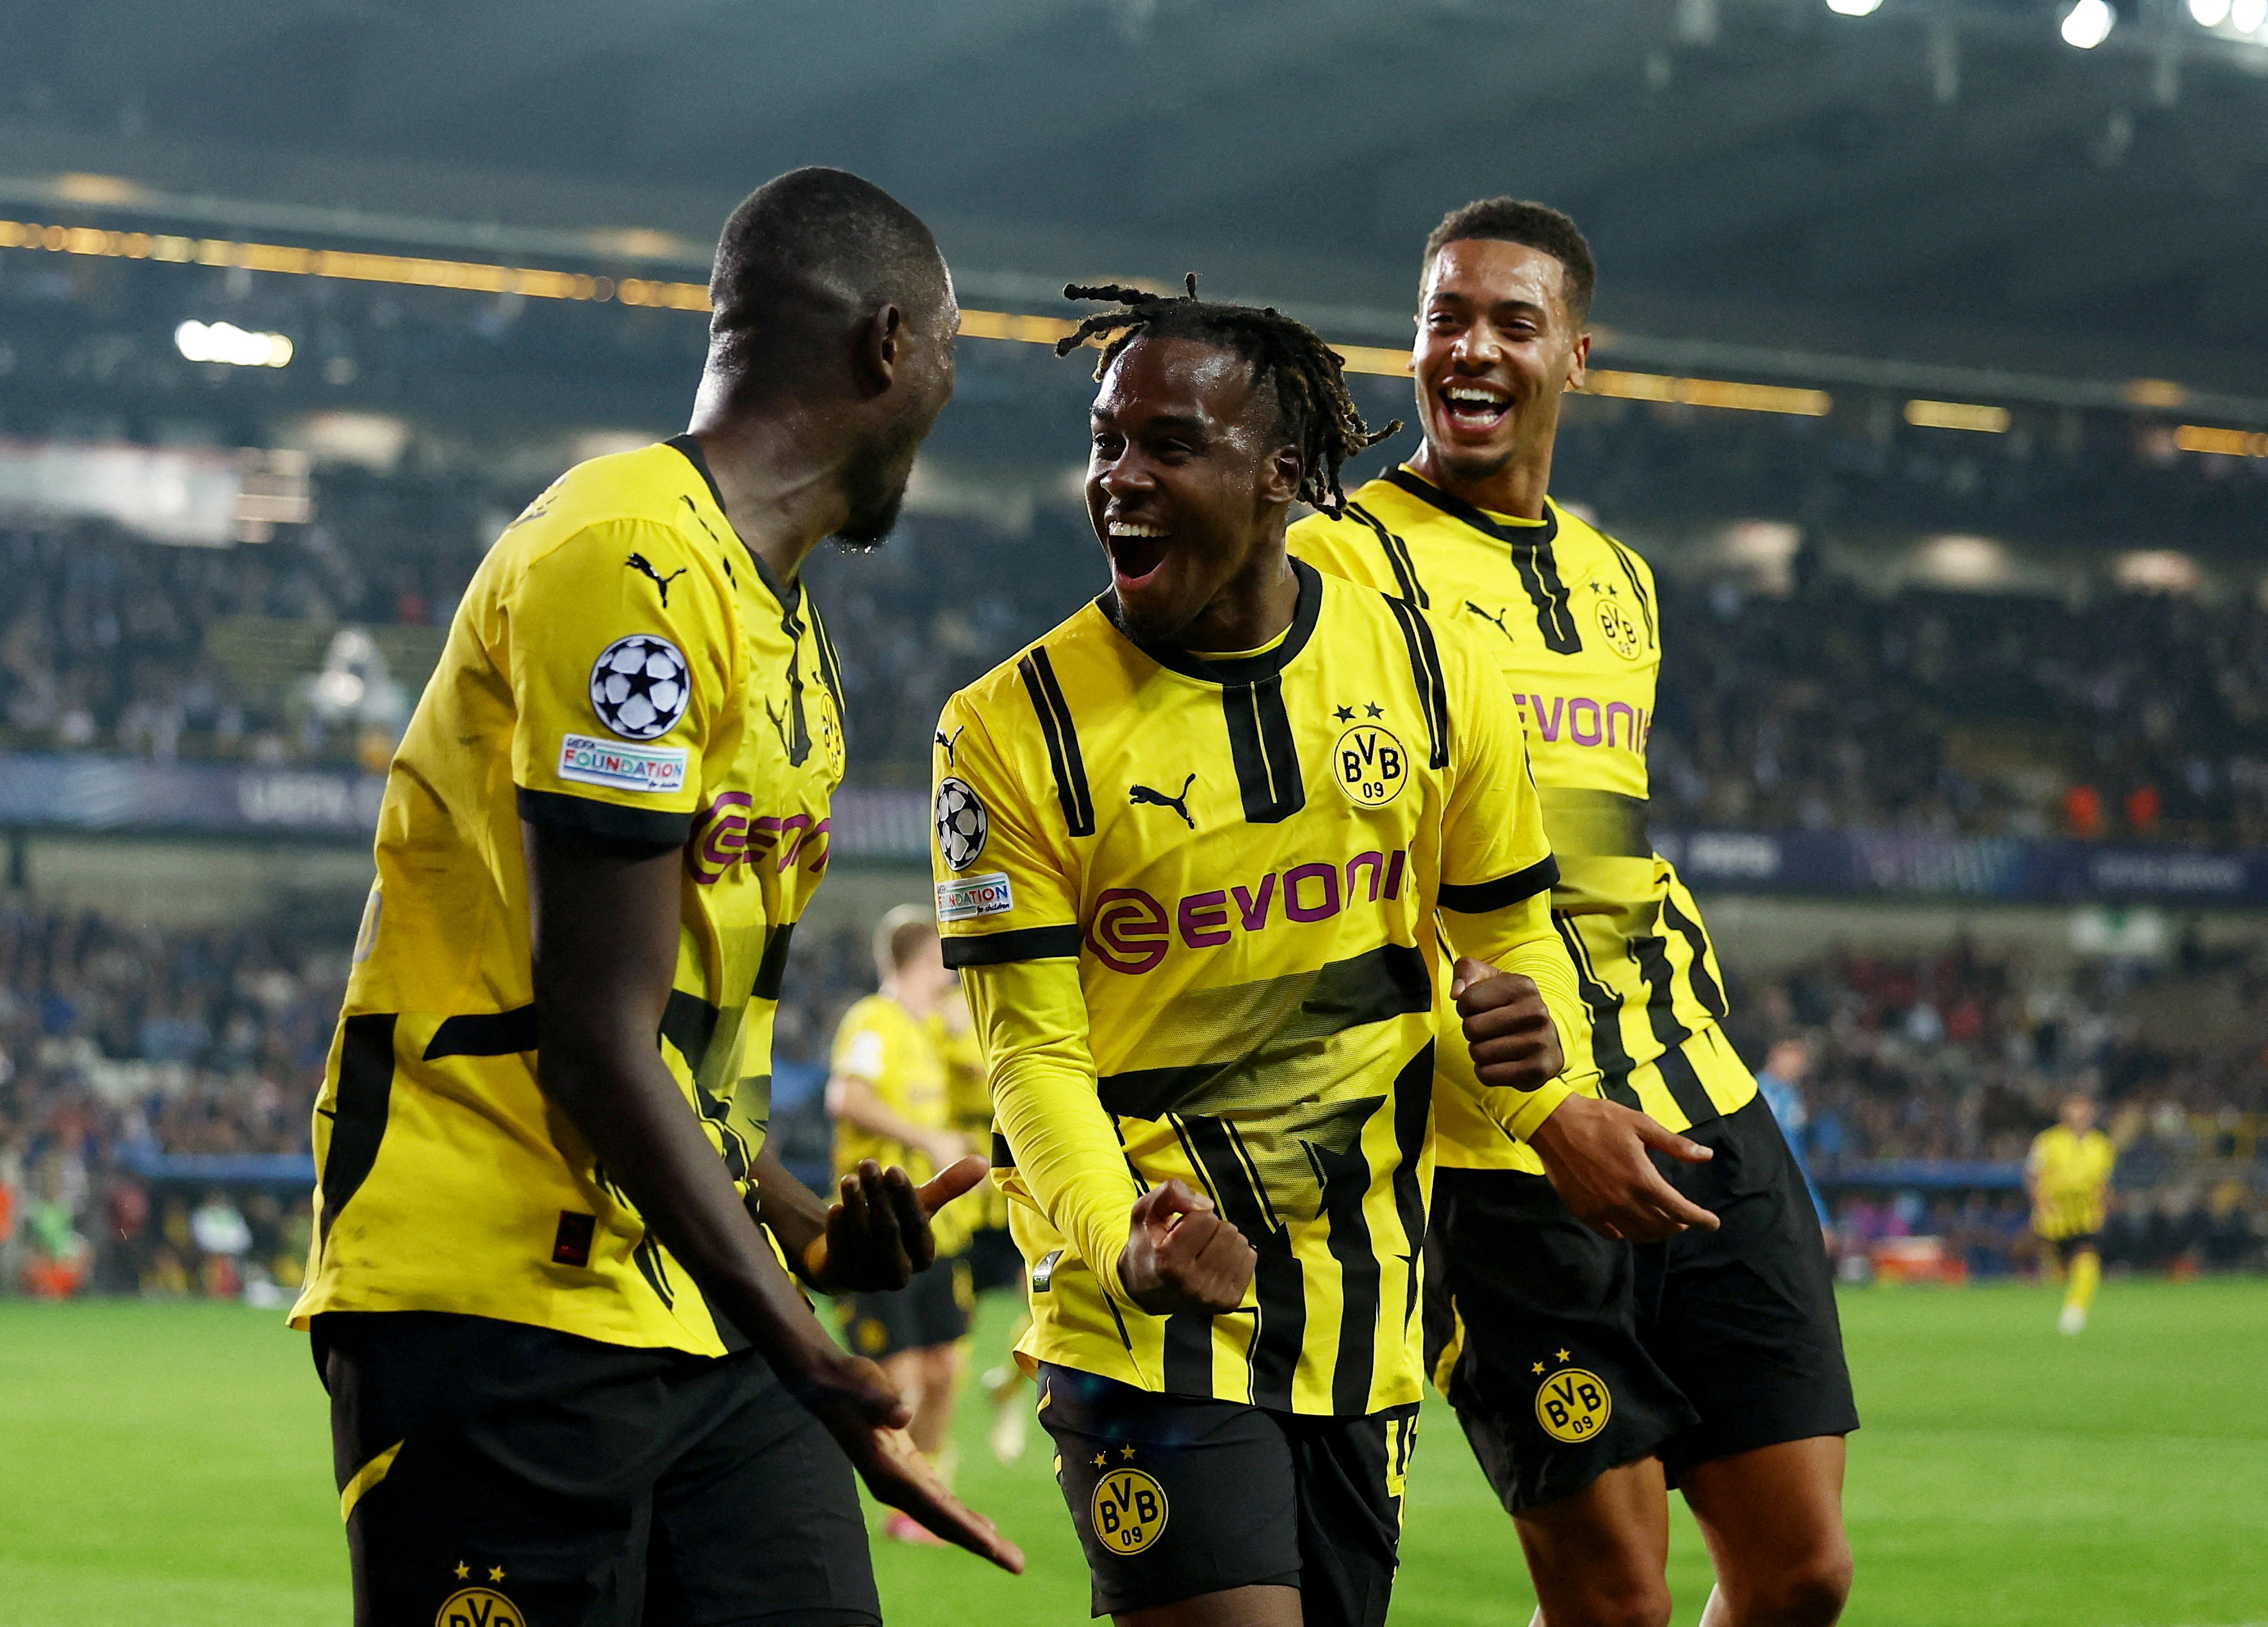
pixel 961 825
pixel 640 686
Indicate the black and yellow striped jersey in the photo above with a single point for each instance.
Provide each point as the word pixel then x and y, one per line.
pixel 1194 900
pixel 1570 616
pixel 2070 1175
pixel 621 665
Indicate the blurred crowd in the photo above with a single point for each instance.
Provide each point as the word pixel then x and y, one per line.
pixel 124 1052
pixel 1960 1056
pixel 2134 716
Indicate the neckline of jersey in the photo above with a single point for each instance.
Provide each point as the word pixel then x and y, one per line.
pixel 1529 534
pixel 1244 669
pixel 689 448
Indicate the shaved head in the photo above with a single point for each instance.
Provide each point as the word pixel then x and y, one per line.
pixel 810 253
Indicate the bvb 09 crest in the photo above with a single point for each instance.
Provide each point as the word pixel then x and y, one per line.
pixel 1129 1511
pixel 1573 1405
pixel 1370 765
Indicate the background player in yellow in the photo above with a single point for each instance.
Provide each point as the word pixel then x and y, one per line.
pixel 2068 1175
pixel 889 1091
pixel 1189 850
pixel 564 1357
pixel 1591 1374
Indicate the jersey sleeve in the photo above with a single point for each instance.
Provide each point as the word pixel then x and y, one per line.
pixel 617 681
pixel 861 1051
pixel 1007 907
pixel 1497 874
pixel 1003 890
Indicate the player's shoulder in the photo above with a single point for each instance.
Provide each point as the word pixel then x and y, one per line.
pixel 653 497
pixel 1577 537
pixel 1065 661
pixel 873 1014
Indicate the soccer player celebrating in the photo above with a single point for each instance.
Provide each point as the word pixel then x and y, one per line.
pixel 890 1097
pixel 564 1357
pixel 1189 850
pixel 1590 1373
pixel 2067 1174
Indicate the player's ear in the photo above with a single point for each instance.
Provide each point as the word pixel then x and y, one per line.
pixel 1580 363
pixel 881 348
pixel 1280 479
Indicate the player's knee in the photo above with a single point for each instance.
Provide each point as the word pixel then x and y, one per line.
pixel 1637 1601
pixel 1809 1593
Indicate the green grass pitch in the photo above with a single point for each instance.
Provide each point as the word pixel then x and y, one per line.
pixel 168 1463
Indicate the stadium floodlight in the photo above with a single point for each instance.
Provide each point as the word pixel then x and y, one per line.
pixel 2249 16
pixel 1854 8
pixel 2209 14
pixel 225 341
pixel 2088 24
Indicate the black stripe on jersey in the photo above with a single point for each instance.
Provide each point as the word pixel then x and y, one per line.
pixel 1028 942
pixel 795 730
pixel 1637 584
pixel 733 1147
pixel 1278 1282
pixel 1187 1352
pixel 771 971
pixel 649 1264
pixel 1305 611
pixel 644 827
pixel 1002 1158
pixel 1387 981
pixel 1061 735
pixel 1346 1178
pixel 830 664
pixel 689 1022
pixel 1685 1086
pixel 485 1033
pixel 1607 1047
pixel 1413 1116
pixel 1531 555
pixel 1398 556
pixel 1267 760
pixel 1503 892
pixel 1433 688
pixel 358 1111
pixel 1704 987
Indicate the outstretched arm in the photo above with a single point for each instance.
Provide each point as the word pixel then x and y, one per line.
pixel 604 920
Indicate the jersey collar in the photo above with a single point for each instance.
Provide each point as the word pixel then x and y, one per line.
pixel 1479 520
pixel 690 448
pixel 1251 668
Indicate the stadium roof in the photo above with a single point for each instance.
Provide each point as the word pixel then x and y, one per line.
pixel 1942 180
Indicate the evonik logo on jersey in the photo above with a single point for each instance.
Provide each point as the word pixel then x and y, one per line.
pixel 725 834
pixel 1583 721
pixel 1132 931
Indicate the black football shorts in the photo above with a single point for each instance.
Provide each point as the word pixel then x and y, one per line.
pixel 495 1474
pixel 930 1310
pixel 1175 1498
pixel 1566 1354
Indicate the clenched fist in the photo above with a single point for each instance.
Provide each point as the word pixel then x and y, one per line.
pixel 1183 1255
pixel 1508 1027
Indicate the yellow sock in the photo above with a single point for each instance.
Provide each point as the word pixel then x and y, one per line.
pixel 2086 1272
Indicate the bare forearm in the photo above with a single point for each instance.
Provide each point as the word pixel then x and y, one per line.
pixel 790 1211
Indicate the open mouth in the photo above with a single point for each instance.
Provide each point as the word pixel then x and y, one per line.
pixel 1137 550
pixel 1474 409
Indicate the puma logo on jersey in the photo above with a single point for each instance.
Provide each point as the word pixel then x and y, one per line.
pixel 1485 616
pixel 644 566
pixel 947 745
pixel 1141 796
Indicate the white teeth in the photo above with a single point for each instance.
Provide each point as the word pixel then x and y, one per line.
pixel 1137 531
pixel 1478 398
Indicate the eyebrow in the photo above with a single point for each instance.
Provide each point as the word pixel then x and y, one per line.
pixel 1168 421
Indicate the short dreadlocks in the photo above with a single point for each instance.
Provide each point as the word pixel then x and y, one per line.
pixel 1308 377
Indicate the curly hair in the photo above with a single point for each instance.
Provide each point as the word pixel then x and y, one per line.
pixel 1308 377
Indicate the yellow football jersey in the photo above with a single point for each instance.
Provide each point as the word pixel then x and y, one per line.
pixel 895 1052
pixel 970 1096
pixel 2074 1171
pixel 621 665
pixel 1569 616
pixel 1203 890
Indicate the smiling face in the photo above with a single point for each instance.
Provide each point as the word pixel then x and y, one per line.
pixel 1188 484
pixel 1496 347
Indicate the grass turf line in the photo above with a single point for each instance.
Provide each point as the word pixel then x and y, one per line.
pixel 169 1462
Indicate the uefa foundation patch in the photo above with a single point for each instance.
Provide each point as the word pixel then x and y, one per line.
pixel 595 761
